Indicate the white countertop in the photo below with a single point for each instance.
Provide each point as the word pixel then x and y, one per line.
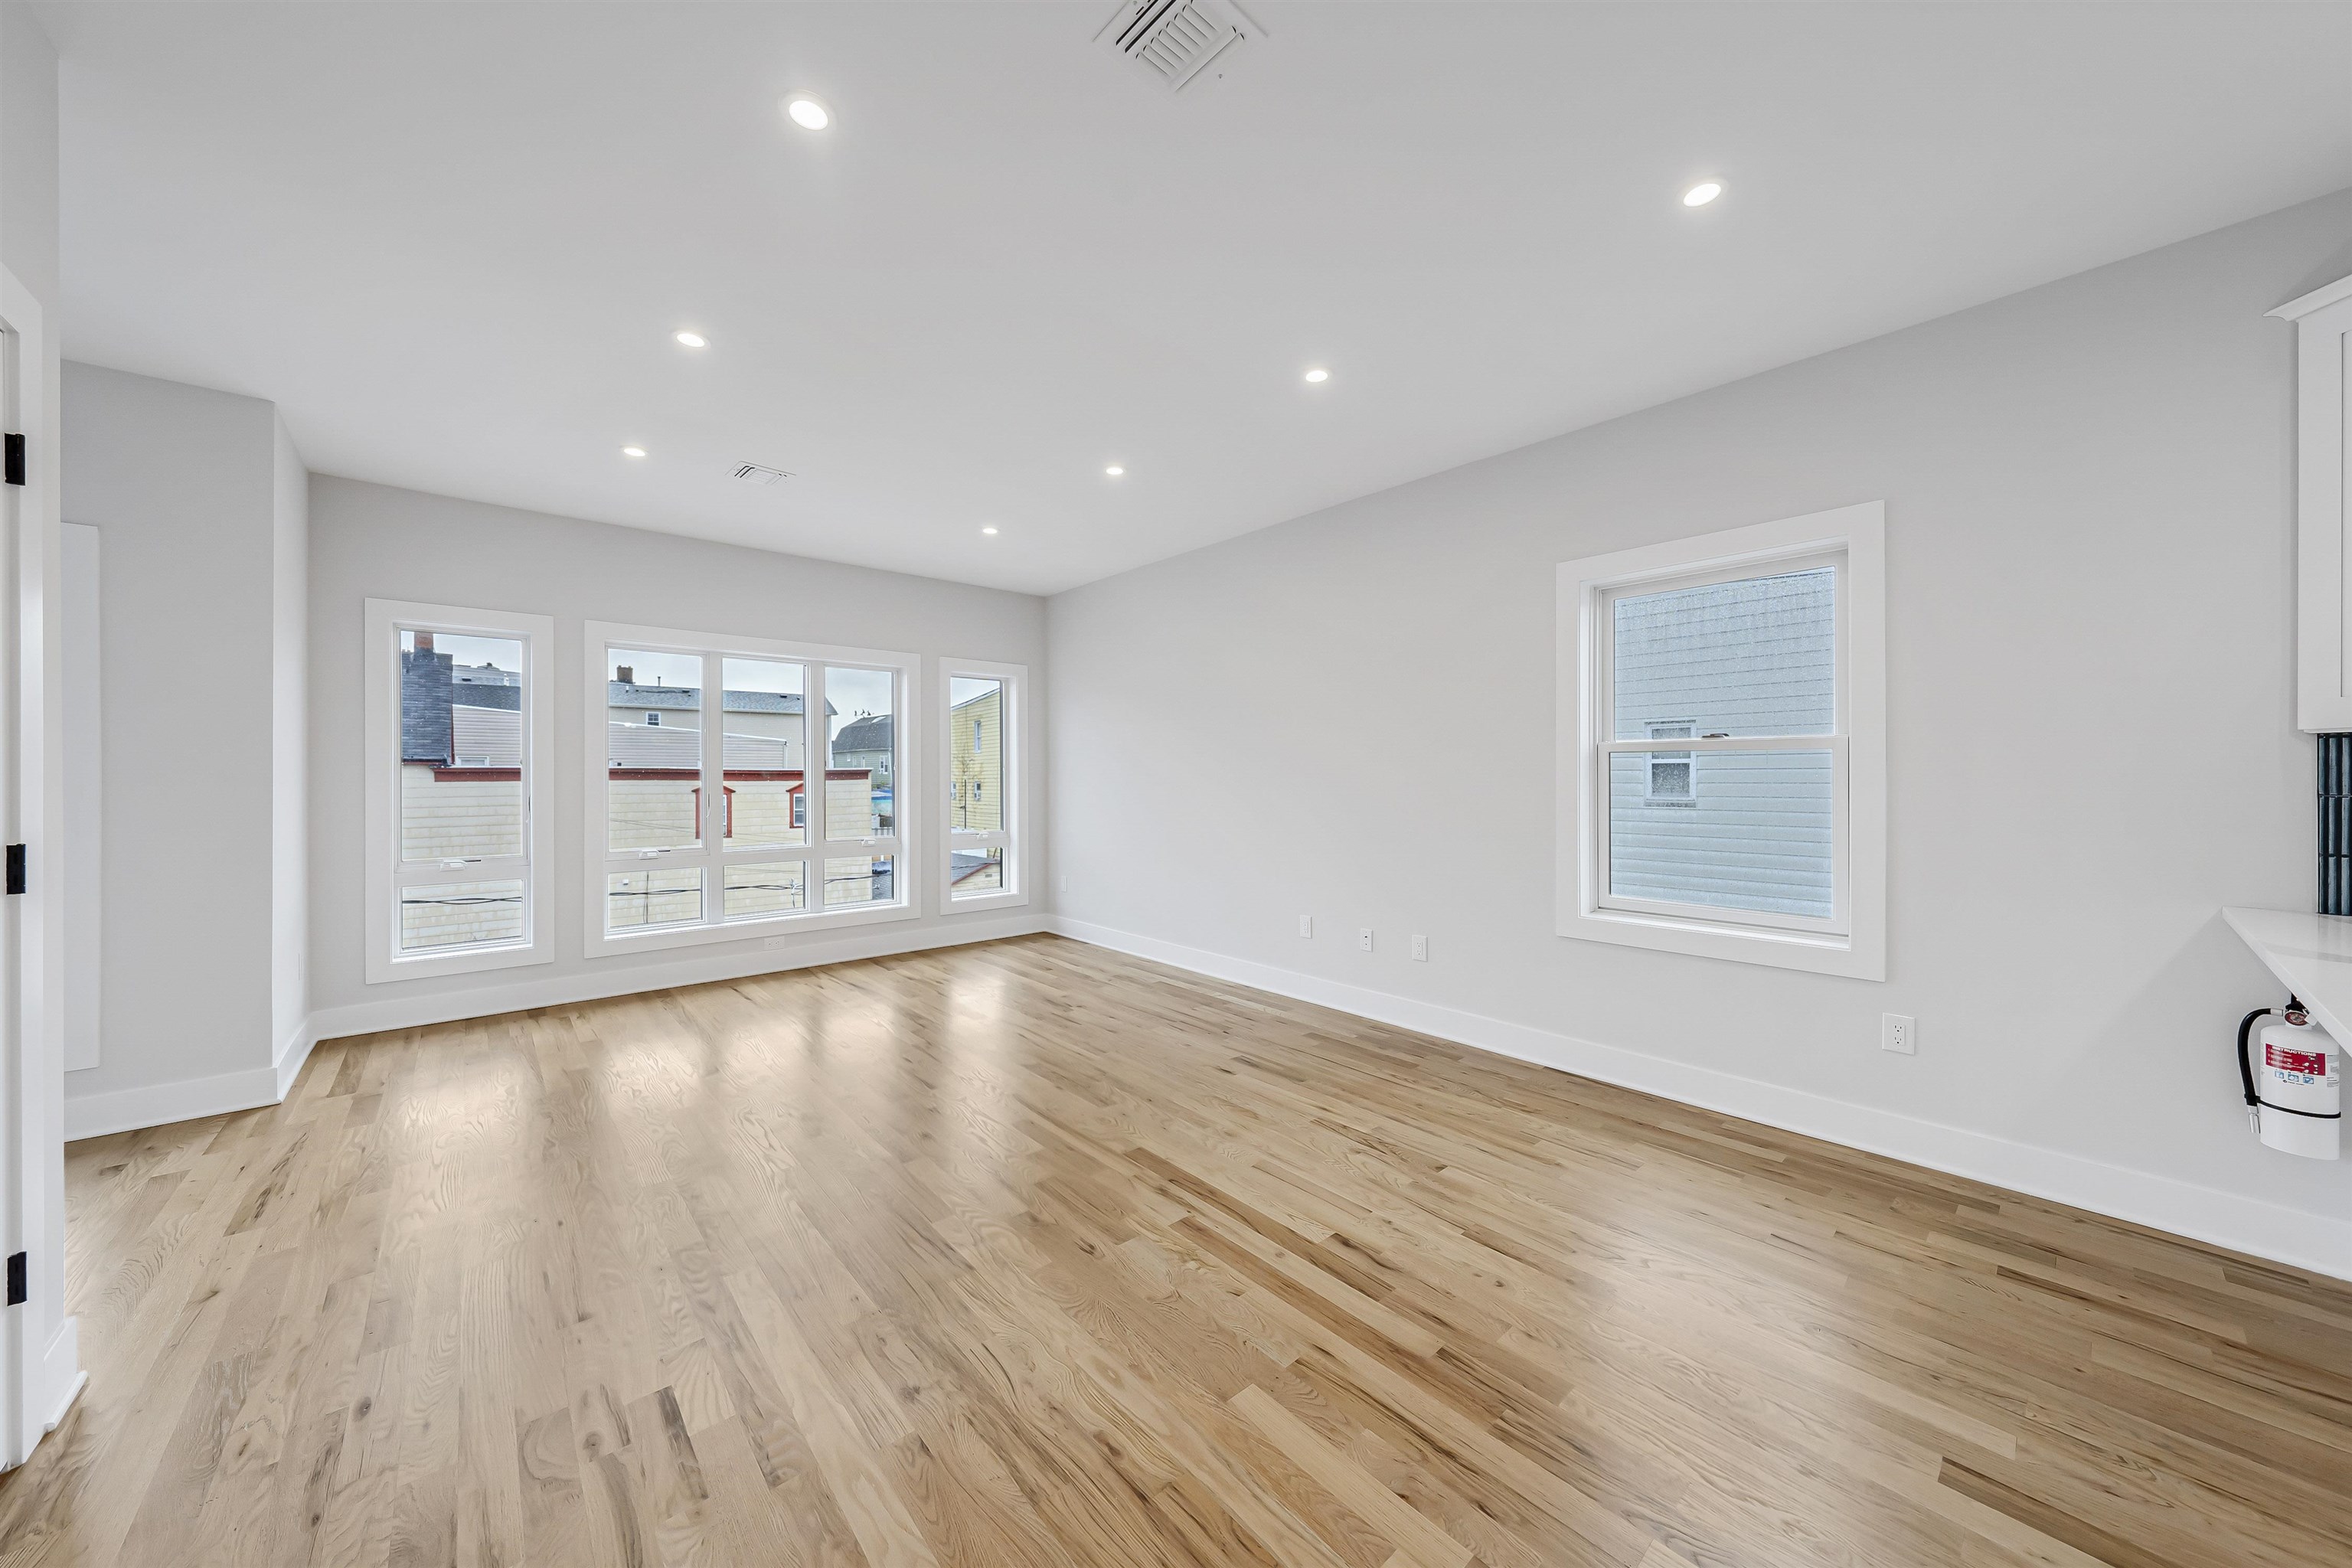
pixel 2312 956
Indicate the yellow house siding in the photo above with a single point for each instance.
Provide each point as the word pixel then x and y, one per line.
pixel 976 777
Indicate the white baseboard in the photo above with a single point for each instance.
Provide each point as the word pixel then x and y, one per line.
pixel 2320 1242
pixel 183 1100
pixel 559 990
pixel 293 1052
pixel 62 1372
pixel 160 1104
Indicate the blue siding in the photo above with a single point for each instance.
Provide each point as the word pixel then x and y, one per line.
pixel 1749 830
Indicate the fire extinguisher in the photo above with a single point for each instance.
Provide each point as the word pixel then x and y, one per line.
pixel 2295 1098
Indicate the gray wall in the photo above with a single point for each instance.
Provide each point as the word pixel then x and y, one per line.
pixel 290 852
pixel 373 542
pixel 184 486
pixel 2092 747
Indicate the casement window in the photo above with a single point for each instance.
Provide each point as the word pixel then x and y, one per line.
pixel 459 829
pixel 1722 754
pixel 704 755
pixel 982 734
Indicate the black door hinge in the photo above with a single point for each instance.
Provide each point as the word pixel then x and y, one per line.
pixel 15 868
pixel 15 1278
pixel 16 459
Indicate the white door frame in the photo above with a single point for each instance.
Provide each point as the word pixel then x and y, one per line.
pixel 41 1371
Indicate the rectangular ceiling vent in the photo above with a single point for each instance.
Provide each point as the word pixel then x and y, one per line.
pixel 1174 39
pixel 754 474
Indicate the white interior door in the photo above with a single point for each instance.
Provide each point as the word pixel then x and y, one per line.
pixel 40 1370
pixel 14 1230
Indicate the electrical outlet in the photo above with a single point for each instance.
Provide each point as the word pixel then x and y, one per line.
pixel 1364 938
pixel 1065 884
pixel 1421 950
pixel 1306 925
pixel 1897 1033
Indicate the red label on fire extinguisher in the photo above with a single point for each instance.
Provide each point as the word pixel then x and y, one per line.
pixel 2285 1060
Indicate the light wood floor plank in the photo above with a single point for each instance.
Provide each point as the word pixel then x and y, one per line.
pixel 1036 1256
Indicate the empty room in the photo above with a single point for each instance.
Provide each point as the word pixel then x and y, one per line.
pixel 1176 783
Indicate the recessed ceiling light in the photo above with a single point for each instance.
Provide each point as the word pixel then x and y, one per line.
pixel 807 112
pixel 633 451
pixel 988 531
pixel 694 340
pixel 1319 373
pixel 1114 471
pixel 1705 191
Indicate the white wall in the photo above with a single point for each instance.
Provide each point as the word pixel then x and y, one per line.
pixel 200 621
pixel 2091 743
pixel 29 248
pixel 289 751
pixel 373 542
pixel 82 570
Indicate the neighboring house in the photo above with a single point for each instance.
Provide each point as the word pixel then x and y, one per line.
pixel 1746 830
pixel 460 792
pixel 461 796
pixel 865 744
pixel 976 762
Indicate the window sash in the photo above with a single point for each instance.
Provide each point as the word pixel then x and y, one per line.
pixel 1604 652
pixel 1013 687
pixel 458 869
pixel 389 877
pixel 1838 923
pixel 709 852
pixel 1600 746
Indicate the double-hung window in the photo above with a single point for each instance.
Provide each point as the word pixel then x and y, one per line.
pixel 981 735
pixel 736 785
pixel 1722 758
pixel 459 727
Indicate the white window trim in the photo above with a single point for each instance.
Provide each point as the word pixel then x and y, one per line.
pixel 2323 320
pixel 1854 946
pixel 1012 836
pixel 383 622
pixel 903 846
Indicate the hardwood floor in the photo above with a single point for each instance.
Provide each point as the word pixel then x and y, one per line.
pixel 1031 1254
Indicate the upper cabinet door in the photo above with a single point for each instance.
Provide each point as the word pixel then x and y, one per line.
pixel 2323 320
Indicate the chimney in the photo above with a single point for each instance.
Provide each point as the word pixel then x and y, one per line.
pixel 626 675
pixel 425 642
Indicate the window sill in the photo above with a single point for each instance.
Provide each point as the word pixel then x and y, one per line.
pixel 1862 958
pixel 972 903
pixel 604 944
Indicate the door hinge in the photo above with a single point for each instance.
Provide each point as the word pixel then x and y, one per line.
pixel 15 868
pixel 16 459
pixel 15 1278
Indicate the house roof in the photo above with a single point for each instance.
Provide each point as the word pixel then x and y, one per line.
pixel 871 734
pixel 638 694
pixel 430 683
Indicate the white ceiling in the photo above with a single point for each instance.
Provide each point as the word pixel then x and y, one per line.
pixel 452 241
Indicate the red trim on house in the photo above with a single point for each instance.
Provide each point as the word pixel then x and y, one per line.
pixel 477 775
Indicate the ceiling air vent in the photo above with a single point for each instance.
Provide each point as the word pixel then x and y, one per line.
pixel 754 474
pixel 1173 40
